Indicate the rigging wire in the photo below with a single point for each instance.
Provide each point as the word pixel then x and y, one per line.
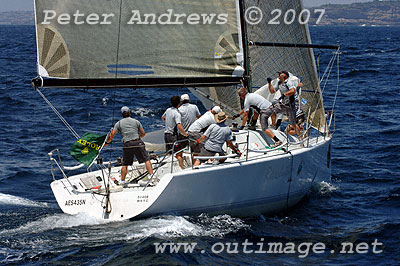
pixel 76 135
pixel 116 73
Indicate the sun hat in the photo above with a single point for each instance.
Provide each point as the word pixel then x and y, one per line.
pixel 220 117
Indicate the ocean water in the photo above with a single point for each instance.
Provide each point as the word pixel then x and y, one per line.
pixel 361 205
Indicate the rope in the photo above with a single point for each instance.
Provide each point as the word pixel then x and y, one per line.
pixel 76 135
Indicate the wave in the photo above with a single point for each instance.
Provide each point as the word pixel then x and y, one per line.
pixel 6 199
pixel 167 227
pixel 56 221
pixel 163 227
pixel 357 72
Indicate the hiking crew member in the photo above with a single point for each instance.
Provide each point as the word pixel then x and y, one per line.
pixel 286 104
pixel 215 137
pixel 199 126
pixel 132 132
pixel 262 106
pixel 173 122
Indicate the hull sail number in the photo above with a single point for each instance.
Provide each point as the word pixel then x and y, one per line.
pixel 77 202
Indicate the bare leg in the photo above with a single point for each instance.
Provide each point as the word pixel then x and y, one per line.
pixel 269 133
pixel 180 159
pixel 149 167
pixel 124 171
pixel 196 163
pixel 273 119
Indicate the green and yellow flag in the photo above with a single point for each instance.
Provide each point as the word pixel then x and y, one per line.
pixel 86 149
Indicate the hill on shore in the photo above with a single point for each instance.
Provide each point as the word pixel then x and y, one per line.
pixel 379 13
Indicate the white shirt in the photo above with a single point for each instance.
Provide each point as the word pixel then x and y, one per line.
pixel 189 113
pixel 257 101
pixel 204 121
pixel 172 118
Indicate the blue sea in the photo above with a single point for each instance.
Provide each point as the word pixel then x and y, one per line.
pixel 361 205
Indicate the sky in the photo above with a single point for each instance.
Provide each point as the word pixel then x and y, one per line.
pixel 16 5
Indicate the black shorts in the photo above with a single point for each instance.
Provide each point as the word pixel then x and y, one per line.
pixel 169 140
pixel 184 142
pixel 134 148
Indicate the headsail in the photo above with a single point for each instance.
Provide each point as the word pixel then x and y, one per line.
pixel 130 43
pixel 266 61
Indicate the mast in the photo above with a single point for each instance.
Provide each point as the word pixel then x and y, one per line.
pixel 246 62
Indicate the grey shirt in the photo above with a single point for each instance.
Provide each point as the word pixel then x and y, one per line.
pixel 257 101
pixel 172 118
pixel 285 87
pixel 189 113
pixel 129 128
pixel 216 135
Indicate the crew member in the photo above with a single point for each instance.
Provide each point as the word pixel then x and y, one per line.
pixel 215 137
pixel 199 126
pixel 173 122
pixel 132 132
pixel 286 104
pixel 262 106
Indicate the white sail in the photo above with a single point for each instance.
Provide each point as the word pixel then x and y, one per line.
pixel 102 39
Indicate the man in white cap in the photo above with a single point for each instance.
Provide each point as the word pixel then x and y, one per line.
pixel 189 112
pixel 132 132
pixel 215 137
pixel 199 126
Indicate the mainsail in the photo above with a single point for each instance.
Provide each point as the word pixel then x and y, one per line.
pixel 131 43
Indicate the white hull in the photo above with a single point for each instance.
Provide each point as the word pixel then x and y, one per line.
pixel 262 184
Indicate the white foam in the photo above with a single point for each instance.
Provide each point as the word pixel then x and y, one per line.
pixel 178 226
pixel 164 227
pixel 56 221
pixel 326 188
pixel 143 112
pixel 6 199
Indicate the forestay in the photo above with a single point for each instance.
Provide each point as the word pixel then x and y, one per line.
pixel 131 43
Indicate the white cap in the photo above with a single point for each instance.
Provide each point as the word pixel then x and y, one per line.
pixel 185 97
pixel 125 109
pixel 216 109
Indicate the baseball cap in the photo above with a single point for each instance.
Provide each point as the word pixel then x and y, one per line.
pixel 125 109
pixel 185 97
pixel 216 109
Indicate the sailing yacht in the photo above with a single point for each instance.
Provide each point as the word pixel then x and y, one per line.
pixel 211 48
